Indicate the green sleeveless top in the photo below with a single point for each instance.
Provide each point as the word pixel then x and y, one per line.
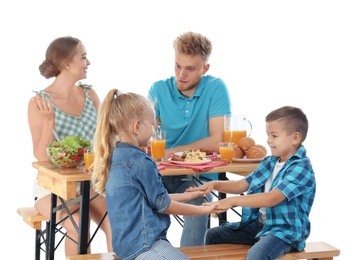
pixel 83 126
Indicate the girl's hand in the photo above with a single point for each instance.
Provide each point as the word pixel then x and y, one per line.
pixel 221 205
pixel 213 207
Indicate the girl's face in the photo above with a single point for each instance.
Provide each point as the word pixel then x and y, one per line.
pixel 148 127
pixel 281 144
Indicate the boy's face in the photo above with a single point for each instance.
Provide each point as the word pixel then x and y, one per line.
pixel 281 143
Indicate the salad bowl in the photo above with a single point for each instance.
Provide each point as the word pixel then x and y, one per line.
pixel 68 152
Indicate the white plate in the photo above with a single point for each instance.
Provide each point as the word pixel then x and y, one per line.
pixel 189 163
pixel 247 160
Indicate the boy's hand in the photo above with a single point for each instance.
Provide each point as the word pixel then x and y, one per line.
pixel 205 188
pixel 193 194
pixel 221 205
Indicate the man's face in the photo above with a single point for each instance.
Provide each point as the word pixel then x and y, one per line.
pixel 188 72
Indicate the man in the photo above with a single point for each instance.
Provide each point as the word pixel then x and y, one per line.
pixel 190 107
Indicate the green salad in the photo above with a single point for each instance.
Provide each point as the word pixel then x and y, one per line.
pixel 68 152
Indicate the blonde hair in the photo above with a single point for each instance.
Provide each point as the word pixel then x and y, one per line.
pixel 194 44
pixel 115 117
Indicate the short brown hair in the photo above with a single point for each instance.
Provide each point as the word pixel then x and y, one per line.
pixel 293 118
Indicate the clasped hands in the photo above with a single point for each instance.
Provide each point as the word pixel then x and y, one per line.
pixel 220 205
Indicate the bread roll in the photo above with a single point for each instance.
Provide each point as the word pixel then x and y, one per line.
pixel 262 147
pixel 245 143
pixel 255 153
pixel 237 153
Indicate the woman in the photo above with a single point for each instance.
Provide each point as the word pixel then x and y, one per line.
pixel 70 109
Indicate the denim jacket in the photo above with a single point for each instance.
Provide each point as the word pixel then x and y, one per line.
pixel 136 199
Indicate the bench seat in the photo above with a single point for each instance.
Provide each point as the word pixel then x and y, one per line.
pixel 32 217
pixel 313 250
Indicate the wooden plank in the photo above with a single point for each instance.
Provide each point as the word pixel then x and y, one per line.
pixel 32 217
pixel 319 250
pixel 102 256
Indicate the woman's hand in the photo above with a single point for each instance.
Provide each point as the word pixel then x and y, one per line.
pixel 44 107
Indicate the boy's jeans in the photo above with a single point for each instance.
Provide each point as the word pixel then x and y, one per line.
pixel 265 247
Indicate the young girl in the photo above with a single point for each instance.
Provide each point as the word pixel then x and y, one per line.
pixel 138 203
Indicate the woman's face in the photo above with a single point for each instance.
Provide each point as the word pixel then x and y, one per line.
pixel 79 65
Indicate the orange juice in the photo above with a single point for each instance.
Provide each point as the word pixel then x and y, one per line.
pixel 88 159
pixel 158 149
pixel 234 136
pixel 226 153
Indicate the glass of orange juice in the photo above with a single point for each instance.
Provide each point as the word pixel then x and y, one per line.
pixel 158 144
pixel 236 127
pixel 88 158
pixel 226 150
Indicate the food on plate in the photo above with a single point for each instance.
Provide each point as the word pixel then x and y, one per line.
pixel 262 147
pixel 238 153
pixel 250 150
pixel 245 143
pixel 255 152
pixel 190 155
pixel 68 152
pixel 176 157
pixel 206 151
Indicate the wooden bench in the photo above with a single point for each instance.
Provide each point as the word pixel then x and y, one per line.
pixel 313 250
pixel 34 219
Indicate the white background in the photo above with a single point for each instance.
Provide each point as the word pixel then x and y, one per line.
pixel 269 53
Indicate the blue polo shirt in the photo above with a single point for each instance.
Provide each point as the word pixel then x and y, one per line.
pixel 186 119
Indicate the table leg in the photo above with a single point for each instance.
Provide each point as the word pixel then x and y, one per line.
pixel 222 216
pixel 84 218
pixel 52 227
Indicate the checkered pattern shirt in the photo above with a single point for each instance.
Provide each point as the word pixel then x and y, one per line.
pixel 289 220
pixel 83 126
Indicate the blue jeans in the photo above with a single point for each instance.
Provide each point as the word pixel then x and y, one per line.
pixel 264 248
pixel 162 249
pixel 194 226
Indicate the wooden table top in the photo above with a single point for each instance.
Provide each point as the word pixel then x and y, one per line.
pixel 62 181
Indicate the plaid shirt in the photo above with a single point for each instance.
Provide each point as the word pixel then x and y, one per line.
pixel 83 126
pixel 289 220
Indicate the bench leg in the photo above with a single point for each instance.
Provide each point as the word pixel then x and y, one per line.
pixel 37 244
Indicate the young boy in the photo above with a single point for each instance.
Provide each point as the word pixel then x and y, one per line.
pixel 280 193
